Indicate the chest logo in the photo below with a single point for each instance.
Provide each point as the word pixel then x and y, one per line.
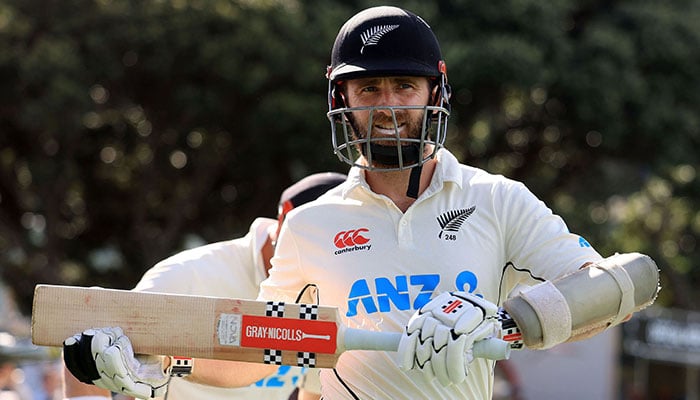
pixel 452 220
pixel 351 240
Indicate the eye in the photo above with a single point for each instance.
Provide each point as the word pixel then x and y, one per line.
pixel 369 89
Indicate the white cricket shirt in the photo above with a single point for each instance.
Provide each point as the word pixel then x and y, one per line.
pixel 232 268
pixel 469 231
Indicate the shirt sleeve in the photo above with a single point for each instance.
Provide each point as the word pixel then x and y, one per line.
pixel 537 239
pixel 167 276
pixel 286 280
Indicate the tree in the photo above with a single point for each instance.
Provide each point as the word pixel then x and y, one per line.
pixel 593 105
pixel 129 127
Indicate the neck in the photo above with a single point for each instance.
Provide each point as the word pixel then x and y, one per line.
pixel 393 184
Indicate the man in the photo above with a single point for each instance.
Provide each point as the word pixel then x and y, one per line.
pixel 413 241
pixel 232 268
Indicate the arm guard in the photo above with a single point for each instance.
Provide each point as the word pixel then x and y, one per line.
pixel 593 298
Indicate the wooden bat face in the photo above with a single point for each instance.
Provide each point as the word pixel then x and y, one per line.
pixel 193 326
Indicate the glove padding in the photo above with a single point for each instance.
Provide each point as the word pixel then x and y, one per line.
pixel 104 358
pixel 439 337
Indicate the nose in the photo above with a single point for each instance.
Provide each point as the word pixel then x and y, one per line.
pixel 388 98
pixel 383 111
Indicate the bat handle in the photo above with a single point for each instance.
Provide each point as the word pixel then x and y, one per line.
pixel 360 339
pixel 492 349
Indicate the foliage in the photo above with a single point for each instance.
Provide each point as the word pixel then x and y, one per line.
pixel 132 129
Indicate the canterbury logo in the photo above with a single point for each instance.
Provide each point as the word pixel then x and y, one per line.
pixel 452 220
pixel 350 238
pixel 371 36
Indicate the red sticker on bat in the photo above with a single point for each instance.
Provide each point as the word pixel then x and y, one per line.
pixel 289 334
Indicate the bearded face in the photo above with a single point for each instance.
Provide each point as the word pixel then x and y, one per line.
pixel 384 126
pixel 382 133
pixel 388 123
pixel 388 118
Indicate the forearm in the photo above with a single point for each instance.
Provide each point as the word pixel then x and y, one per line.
pixel 228 373
pixel 73 388
pixel 583 304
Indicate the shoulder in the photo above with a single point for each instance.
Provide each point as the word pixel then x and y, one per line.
pixel 211 265
pixel 180 271
pixel 201 254
pixel 327 202
pixel 450 170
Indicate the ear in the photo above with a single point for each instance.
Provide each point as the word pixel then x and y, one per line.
pixel 339 95
pixel 338 99
pixel 435 96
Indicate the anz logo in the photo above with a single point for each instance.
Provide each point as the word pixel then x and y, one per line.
pixel 394 294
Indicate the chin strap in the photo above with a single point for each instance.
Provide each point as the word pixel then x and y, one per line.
pixel 414 182
pixel 389 156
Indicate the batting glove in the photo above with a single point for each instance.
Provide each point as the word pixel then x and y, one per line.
pixel 104 357
pixel 439 337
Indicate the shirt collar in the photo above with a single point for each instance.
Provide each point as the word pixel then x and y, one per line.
pixel 447 170
pixel 356 178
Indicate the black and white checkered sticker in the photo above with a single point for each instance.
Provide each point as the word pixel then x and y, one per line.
pixel 272 357
pixel 274 309
pixel 308 311
pixel 306 359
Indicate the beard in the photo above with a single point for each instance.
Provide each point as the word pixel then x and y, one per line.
pixel 384 147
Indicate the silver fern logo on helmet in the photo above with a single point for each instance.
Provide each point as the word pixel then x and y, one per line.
pixel 371 36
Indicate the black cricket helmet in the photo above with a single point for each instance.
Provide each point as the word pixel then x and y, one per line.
pixel 387 41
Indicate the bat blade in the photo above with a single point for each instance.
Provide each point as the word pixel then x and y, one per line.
pixel 268 332
pixel 193 326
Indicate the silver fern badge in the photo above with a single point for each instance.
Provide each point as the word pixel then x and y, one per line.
pixel 371 36
pixel 451 221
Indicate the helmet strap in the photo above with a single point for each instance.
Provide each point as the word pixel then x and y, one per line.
pixel 388 155
pixel 414 182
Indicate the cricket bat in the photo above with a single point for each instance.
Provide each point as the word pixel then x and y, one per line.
pixel 305 335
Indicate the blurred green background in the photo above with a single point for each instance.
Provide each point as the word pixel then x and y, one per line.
pixel 130 130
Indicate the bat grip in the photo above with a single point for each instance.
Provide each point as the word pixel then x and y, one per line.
pixel 360 339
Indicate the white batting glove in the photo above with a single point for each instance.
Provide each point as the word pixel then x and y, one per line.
pixel 104 357
pixel 439 337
